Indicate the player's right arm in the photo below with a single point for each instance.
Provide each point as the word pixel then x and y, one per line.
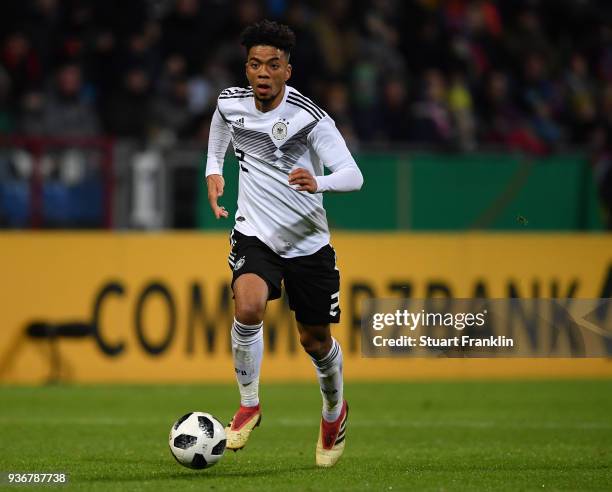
pixel 218 139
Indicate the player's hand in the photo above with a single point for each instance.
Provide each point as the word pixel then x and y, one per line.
pixel 215 183
pixel 303 179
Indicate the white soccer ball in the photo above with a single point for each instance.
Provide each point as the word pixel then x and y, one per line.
pixel 197 440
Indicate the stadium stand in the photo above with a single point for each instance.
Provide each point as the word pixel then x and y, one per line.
pixel 456 75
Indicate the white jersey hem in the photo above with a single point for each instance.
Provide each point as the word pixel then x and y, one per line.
pixel 248 231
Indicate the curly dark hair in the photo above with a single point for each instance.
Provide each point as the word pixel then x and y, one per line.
pixel 268 33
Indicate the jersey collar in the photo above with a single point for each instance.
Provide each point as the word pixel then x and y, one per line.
pixel 276 109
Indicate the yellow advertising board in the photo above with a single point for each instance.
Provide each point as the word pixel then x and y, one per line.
pixel 161 303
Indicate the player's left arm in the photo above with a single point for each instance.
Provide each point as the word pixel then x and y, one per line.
pixel 330 147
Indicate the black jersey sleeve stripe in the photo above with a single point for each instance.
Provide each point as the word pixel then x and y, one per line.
pixel 242 96
pixel 235 90
pixel 312 107
pixel 309 101
pixel 237 94
pixel 298 97
pixel 305 108
pixel 229 94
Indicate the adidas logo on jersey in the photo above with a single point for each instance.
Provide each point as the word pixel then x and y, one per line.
pixel 239 122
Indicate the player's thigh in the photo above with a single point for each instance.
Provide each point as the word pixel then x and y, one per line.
pixel 251 295
pixel 256 276
pixel 313 287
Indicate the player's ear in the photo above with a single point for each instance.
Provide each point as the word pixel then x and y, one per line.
pixel 288 72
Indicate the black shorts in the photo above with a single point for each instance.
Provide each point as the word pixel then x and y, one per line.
pixel 312 282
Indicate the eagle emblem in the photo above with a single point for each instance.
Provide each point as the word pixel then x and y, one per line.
pixel 279 130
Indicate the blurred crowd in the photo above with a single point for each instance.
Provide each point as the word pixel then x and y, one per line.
pixel 454 74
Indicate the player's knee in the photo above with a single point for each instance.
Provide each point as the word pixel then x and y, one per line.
pixel 250 313
pixel 316 347
pixel 309 343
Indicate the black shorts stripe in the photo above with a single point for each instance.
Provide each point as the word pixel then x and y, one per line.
pixel 307 102
pixel 289 101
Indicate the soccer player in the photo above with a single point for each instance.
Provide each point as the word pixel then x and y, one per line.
pixel 282 141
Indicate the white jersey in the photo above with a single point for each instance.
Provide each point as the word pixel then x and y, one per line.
pixel 295 134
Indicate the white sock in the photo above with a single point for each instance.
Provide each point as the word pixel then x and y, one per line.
pixel 247 350
pixel 329 370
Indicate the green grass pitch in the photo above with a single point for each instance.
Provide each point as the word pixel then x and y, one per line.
pixel 402 436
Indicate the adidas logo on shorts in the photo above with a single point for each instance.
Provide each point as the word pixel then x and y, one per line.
pixel 239 263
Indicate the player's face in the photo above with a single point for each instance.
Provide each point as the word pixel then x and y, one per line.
pixel 267 70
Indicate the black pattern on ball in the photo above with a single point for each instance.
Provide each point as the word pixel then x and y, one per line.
pixel 219 447
pixel 198 461
pixel 184 441
pixel 206 426
pixel 181 420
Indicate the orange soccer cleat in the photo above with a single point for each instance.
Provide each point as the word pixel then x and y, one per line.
pixel 240 427
pixel 332 435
